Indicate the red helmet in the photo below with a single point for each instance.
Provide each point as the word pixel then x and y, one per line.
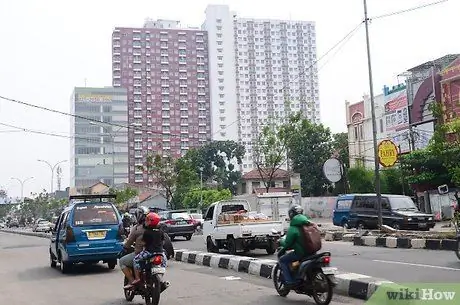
pixel 152 220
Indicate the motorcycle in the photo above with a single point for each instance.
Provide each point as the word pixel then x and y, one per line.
pixel 316 277
pixel 151 283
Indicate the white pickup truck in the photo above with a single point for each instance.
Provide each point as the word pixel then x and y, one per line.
pixel 229 225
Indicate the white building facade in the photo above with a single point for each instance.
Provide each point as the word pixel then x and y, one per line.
pixel 99 148
pixel 360 137
pixel 260 69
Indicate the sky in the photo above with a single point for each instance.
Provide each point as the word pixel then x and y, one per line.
pixel 49 46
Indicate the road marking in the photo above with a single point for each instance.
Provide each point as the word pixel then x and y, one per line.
pixel 416 265
pixel 231 278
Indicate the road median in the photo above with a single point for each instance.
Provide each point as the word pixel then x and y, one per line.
pixel 27 233
pixel 348 284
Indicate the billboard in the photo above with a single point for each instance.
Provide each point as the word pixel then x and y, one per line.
pixel 397 116
pixel 450 90
pixel 93 98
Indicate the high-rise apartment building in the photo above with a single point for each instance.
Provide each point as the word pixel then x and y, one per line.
pixel 259 69
pixel 165 69
pixel 99 148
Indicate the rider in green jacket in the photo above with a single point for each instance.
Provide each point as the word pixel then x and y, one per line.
pixel 293 241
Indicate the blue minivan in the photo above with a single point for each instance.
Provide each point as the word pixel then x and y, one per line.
pixel 88 231
pixel 342 210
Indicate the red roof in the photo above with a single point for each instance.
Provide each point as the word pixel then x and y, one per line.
pixel 255 174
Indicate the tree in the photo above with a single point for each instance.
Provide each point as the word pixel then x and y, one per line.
pixel 340 146
pixel 193 197
pixel 216 159
pixel 309 145
pixel 186 179
pixel 269 153
pixel 394 182
pixel 361 180
pixel 124 195
pixel 162 169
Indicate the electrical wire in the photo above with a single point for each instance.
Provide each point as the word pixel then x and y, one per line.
pixel 135 128
pixel 408 10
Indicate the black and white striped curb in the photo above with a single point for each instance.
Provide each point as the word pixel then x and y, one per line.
pixel 406 243
pixel 349 284
pixel 27 233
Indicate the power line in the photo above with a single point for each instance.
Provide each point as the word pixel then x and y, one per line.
pixel 408 10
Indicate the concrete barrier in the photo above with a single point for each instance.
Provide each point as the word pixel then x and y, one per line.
pixel 349 284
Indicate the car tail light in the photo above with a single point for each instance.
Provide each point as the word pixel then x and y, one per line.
pixel 191 221
pixel 157 260
pixel 69 235
pixel 169 222
pixel 326 260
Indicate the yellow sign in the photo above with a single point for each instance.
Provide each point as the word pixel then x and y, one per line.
pixel 94 98
pixel 388 153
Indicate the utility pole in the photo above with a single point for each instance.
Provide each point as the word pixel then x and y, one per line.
pixel 201 187
pixel 374 124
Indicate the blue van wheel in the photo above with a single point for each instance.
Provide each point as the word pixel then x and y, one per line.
pixel 345 223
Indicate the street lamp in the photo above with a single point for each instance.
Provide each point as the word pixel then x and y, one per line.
pixel 52 170
pixel 112 140
pixel 22 185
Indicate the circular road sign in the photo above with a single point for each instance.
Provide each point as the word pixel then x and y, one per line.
pixel 332 169
pixel 388 153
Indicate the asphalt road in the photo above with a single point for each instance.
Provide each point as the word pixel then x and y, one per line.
pixel 26 278
pixel 397 265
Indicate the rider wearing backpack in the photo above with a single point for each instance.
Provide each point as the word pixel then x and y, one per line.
pixel 294 240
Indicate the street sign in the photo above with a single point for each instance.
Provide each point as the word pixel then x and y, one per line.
pixel 388 153
pixel 332 170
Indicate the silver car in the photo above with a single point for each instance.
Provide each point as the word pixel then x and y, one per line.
pixel 42 226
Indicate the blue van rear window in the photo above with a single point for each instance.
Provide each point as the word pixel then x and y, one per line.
pixel 94 214
pixel 344 204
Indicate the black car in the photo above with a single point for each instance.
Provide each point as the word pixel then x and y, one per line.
pixel 177 224
pixel 398 212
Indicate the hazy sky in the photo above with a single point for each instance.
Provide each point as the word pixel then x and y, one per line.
pixel 49 46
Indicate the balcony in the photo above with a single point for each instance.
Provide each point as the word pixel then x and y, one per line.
pixel 184 124
pixel 166 131
pixel 137 76
pixel 165 116
pixel 137 107
pixel 116 59
pixel 116 76
pixel 116 68
pixel 202 131
pixel 184 131
pixel 137 46
pixel 137 61
pixel 136 38
pixel 202 123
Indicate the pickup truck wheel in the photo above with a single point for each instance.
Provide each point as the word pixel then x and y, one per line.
pixel 210 246
pixel 271 247
pixel 231 245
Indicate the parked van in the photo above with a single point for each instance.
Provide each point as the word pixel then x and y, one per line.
pixel 87 231
pixel 398 212
pixel 341 210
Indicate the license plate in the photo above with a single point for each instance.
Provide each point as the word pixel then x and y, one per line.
pixel 96 235
pixel 158 270
pixel 329 270
pixel 181 223
pixel 422 225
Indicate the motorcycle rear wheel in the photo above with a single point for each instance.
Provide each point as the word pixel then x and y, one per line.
pixel 129 293
pixel 277 277
pixel 153 291
pixel 322 288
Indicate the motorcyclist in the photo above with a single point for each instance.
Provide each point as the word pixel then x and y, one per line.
pixel 293 241
pixel 135 237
